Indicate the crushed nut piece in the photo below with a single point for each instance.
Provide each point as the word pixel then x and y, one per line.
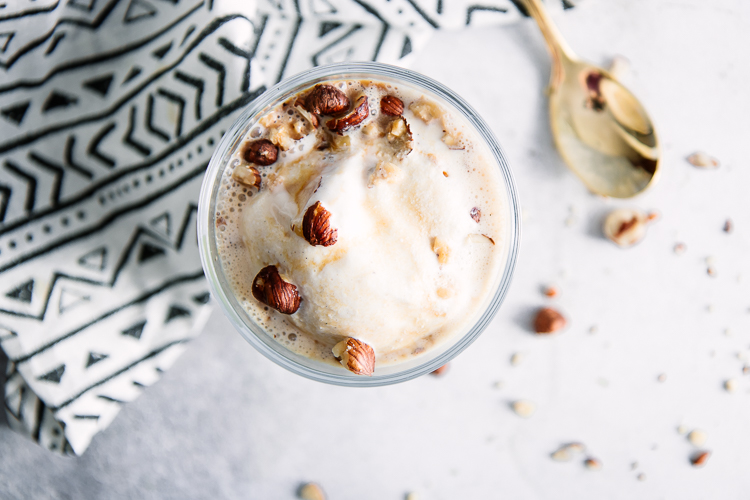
pixel 702 160
pixel 516 359
pixel 711 271
pixel 551 291
pixel 523 408
pixel 662 377
pixel 746 370
pixel 316 226
pixel 311 491
pixel 400 136
pixel 412 496
pixel 680 248
pixel 699 458
pixel 261 152
pixel 452 141
pixel 247 175
pixel 592 463
pixel 359 113
pixel 270 289
pixel 697 437
pixel 549 320
pixel 281 136
pixel 731 385
pixel 728 226
pixel 641 477
pixel 425 110
pixel 356 356
pixel 566 451
pixel 682 429
pixel 441 249
pixel 561 455
pixel 625 227
pixel 391 105
pixel 476 214
pixel 384 171
pixel 441 371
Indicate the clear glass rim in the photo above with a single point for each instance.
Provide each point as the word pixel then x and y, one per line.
pixel 206 240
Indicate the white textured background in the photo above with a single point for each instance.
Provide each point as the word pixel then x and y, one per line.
pixel 227 423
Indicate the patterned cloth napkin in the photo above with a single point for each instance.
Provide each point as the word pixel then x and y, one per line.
pixel 109 111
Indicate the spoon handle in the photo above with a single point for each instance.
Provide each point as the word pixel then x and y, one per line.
pixel 558 48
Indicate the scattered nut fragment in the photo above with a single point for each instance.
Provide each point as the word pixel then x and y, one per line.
pixel 311 491
pixel 641 477
pixel 281 136
pixel 247 175
pixel 516 359
pixel 453 142
pixel 680 248
pixel 548 320
pixel 728 226
pixel 400 136
pixel 261 152
pixel 356 356
pixel 702 160
pixel 551 291
pixel 697 437
pixel 634 466
pixel 476 214
pixel 625 227
pixel 316 226
pixel 699 458
pixel 384 171
pixel 731 385
pixel 391 105
pixel 442 370
pixel 326 100
pixel 592 463
pixel 711 271
pixel 746 370
pixel 359 113
pixel 425 110
pixel 523 408
pixel 682 429
pixel 662 377
pixel 371 129
pixel 270 289
pixel 412 496
pixel 566 451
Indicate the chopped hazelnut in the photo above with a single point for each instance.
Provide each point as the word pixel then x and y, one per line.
pixel 523 408
pixel 702 160
pixel 699 458
pixel 548 320
pixel 311 491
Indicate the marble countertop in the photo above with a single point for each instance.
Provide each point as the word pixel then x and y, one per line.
pixel 225 422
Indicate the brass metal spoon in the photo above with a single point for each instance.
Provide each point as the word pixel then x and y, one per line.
pixel 601 130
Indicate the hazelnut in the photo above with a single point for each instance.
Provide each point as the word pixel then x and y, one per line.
pixel 356 356
pixel 625 227
pixel 357 116
pixel 391 106
pixel 270 289
pixel 247 175
pixel 316 226
pixel 326 100
pixel 425 110
pixel 524 408
pixel 476 214
pixel 441 371
pixel 311 491
pixel 728 226
pixel 592 463
pixel 261 152
pixel 699 458
pixel 698 437
pixel 702 160
pixel 548 320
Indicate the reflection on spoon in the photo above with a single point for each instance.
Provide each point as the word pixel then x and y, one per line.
pixel 601 130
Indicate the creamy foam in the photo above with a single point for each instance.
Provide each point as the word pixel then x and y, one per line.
pixel 411 268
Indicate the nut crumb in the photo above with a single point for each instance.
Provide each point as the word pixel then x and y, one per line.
pixel 699 458
pixel 412 496
pixel 566 451
pixel 711 271
pixel 697 437
pixel 498 384
pixel 625 227
pixel 516 359
pixel 702 160
pixel 634 466
pixel 680 248
pixel 728 226
pixel 523 408
pixel 662 377
pixel 311 491
pixel 551 291
pixel 592 463
pixel 682 429
pixel 641 477
pixel 441 249
pixel 746 370
pixel 593 329
pixel 730 385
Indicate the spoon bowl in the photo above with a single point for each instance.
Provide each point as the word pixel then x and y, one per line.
pixel 600 129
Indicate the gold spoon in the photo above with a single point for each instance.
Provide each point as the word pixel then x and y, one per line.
pixel 601 130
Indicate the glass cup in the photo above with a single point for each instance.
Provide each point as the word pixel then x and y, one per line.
pixel 222 289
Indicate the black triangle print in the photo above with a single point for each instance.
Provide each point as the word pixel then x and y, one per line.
pixel 22 292
pixel 5 39
pixel 176 312
pixel 567 4
pixel 149 251
pixel 326 27
pixel 16 112
pixel 95 259
pixel 70 299
pixel 322 7
pixel 134 71
pixel 162 223
pixel 86 5
pixel 58 100
pixel 202 298
pixel 138 10
pixel 406 49
pixel 53 376
pixel 95 357
pixel 100 85
pixel 135 331
pixel 162 51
